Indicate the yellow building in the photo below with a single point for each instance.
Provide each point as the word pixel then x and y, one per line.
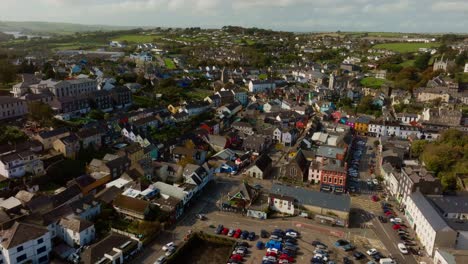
pixel 362 124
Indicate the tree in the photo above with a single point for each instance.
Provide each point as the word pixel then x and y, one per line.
pixel 40 112
pixel 422 61
pixel 7 72
pixel 11 134
pixel 417 147
pixel 96 114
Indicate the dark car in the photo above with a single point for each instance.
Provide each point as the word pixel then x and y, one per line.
pixel 377 256
pixel 382 219
pixel 317 243
pixel 264 234
pixel 242 244
pixel 252 236
pixel 291 240
pixel 358 255
pixel 260 245
pixel 290 253
pixel 219 229
pixel 346 260
pixel 244 234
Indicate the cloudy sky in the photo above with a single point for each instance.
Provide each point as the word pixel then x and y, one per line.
pixel 294 15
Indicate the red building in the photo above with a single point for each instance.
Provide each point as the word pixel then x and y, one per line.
pixel 333 177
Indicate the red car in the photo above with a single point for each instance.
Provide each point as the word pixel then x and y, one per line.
pixel 286 257
pixel 237 233
pixel 375 198
pixel 271 253
pixel 225 231
pixel 237 257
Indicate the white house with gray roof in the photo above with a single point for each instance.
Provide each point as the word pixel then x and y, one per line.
pixel 431 228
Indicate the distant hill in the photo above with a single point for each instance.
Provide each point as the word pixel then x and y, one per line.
pixel 51 28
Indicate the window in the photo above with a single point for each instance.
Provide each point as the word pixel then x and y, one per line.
pixel 43 259
pixel 40 241
pixel 19 249
pixel 41 249
pixel 21 258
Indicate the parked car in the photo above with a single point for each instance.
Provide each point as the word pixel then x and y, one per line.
pixel 167 246
pixel 225 231
pixel 251 236
pixel 237 233
pixel 237 257
pixel 219 229
pixel 231 232
pixel 244 234
pixel 402 248
pixel 341 243
pixel 358 255
pixel 201 216
pixel 346 260
pixel 260 245
pixel 286 257
pixel 292 234
pixel 371 251
pixel 161 260
pixel 317 243
pixel 396 220
pixel 170 251
pixel 242 244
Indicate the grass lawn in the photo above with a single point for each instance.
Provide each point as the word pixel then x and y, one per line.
pixel 372 82
pixel 136 38
pixel 404 47
pixel 407 63
pixel 169 64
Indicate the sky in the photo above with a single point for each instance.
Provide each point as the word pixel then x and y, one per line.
pixel 290 15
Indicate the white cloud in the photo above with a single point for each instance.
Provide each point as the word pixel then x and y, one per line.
pixel 451 6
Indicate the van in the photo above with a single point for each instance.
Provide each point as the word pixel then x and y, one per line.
pixel 387 261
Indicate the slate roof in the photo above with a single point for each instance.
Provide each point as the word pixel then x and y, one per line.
pixel 75 224
pixel 428 211
pixel 319 199
pixel 53 133
pixel 263 162
pixel 20 233
pixel 94 253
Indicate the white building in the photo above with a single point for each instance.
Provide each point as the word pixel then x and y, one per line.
pixel 314 172
pixel 73 88
pixel 25 243
pixel 261 86
pixel 17 164
pixel 431 229
pixel 76 232
pixel 11 107
pixel 281 203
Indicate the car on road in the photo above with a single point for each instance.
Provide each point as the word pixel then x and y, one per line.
pixel 167 246
pixel 161 260
pixel 372 251
pixel 264 234
pixel 402 248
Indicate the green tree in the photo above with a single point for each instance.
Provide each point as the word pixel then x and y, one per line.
pixel 417 147
pixel 422 61
pixel 96 114
pixel 11 134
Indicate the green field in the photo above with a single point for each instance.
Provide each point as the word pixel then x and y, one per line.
pixel 169 64
pixel 136 38
pixel 372 82
pixel 407 63
pixel 404 47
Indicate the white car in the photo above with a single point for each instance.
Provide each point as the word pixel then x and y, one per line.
pixel 269 258
pixel 167 246
pixel 291 234
pixel 375 181
pixel 396 220
pixel 170 251
pixel 371 251
pixel 322 257
pixel 272 250
pixel 402 248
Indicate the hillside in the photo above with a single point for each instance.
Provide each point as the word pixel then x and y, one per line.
pixel 48 28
